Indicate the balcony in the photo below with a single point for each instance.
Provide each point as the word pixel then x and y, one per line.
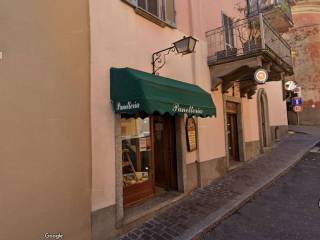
pixel 277 12
pixel 235 51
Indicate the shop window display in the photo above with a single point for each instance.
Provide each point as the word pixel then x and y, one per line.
pixel 136 150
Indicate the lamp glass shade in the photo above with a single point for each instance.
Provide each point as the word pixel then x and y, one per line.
pixel 192 44
pixel 185 45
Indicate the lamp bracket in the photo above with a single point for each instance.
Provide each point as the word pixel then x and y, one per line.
pixel 159 59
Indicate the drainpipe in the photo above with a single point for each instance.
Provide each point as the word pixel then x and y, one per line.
pixel 194 80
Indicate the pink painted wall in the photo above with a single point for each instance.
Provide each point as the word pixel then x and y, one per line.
pixel 250 119
pixel 207 14
pixel 122 38
pixel 139 38
pixel 211 133
pixel 277 107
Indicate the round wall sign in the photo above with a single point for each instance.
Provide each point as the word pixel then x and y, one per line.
pixel 261 76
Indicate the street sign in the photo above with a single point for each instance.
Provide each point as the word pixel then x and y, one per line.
pixel 297 108
pixel 290 85
pixel 297 90
pixel 261 76
pixel 297 101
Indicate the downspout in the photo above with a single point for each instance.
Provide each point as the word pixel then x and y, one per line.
pixel 194 80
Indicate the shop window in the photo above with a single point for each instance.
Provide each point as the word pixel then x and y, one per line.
pixel 163 10
pixel 136 150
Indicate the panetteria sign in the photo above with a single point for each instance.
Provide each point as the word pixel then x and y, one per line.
pixel 176 108
pixel 127 106
pixel 189 109
pixel 136 93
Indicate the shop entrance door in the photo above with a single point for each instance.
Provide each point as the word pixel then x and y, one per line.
pixel 165 163
pixel 233 143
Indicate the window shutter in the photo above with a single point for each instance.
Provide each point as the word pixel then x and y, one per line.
pixel 228 28
pixel 231 32
pixel 225 21
pixel 153 7
pixel 170 12
pixel 142 4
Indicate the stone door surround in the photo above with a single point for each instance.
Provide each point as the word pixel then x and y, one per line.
pixel 262 103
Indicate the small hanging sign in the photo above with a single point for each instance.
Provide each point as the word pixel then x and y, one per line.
pixel 191 132
pixel 261 76
pixel 297 108
pixel 231 107
pixel 290 85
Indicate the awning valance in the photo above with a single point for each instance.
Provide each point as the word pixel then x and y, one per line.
pixel 134 92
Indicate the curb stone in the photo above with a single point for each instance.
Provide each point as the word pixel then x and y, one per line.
pixel 219 216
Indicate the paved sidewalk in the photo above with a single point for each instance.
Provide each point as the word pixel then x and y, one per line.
pixel 204 208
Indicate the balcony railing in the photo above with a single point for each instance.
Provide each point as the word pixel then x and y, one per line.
pixel 248 37
pixel 262 6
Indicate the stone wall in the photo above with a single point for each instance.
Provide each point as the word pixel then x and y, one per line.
pixel 305 41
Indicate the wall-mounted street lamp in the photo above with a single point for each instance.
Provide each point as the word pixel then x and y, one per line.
pixel 184 46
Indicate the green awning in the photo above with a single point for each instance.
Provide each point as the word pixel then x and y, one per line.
pixel 135 92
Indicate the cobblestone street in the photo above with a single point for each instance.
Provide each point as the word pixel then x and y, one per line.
pixel 204 208
pixel 287 210
pixel 160 120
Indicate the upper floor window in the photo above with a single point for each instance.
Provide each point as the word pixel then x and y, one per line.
pixel 151 6
pixel 163 10
pixel 228 30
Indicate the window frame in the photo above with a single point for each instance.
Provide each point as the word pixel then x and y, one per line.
pixel 228 28
pixel 159 5
pixel 161 19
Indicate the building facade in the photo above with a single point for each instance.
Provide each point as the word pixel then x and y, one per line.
pixel 305 41
pixel 100 128
pixel 45 143
pixel 143 148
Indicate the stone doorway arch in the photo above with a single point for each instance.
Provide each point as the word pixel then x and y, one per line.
pixel 263 118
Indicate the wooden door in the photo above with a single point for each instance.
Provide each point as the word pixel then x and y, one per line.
pixel 165 164
pixel 232 131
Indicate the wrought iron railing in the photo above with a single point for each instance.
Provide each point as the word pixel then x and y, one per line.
pixel 250 36
pixel 262 6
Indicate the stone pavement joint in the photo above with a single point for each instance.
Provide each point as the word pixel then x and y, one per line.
pixel 204 208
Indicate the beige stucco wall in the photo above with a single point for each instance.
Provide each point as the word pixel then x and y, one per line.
pixel 137 36
pixel 114 22
pixel 122 38
pixel 211 132
pixel 277 107
pixel 207 15
pixel 277 110
pixel 45 176
pixel 250 119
